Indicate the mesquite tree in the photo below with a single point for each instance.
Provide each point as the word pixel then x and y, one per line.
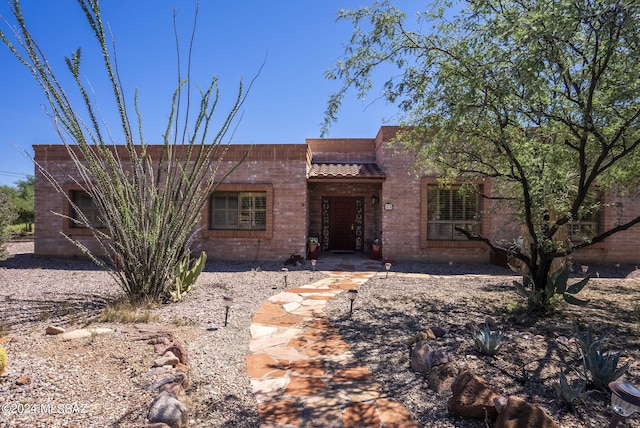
pixel 542 97
pixel 7 215
pixel 149 207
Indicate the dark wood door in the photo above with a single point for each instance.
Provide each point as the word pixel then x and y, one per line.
pixel 342 235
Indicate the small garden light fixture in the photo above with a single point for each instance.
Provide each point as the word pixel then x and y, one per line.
pixel 284 273
pixel 387 266
pixel 352 293
pixel 227 301
pixel 625 401
pixel 313 264
pixel 585 268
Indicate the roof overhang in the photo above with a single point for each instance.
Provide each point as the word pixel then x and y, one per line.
pixel 341 172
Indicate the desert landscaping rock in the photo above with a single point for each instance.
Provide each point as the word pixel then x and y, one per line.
pixel 23 380
pixel 179 351
pixel 83 333
pixel 419 352
pixel 440 378
pixel 167 409
pixel 473 397
pixel 168 359
pixel 54 330
pixel 519 414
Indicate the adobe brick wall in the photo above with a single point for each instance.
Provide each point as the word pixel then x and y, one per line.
pixel 294 206
pixel 279 168
pixel 402 191
pixel 342 150
pixel 622 247
pixel 403 187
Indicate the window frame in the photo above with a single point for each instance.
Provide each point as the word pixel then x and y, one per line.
pixel 69 227
pixel 251 217
pixel 267 233
pixel 595 221
pixel 444 243
pixel 454 207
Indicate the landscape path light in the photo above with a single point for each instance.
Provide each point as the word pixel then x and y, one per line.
pixel 387 266
pixel 352 293
pixel 313 264
pixel 625 401
pixel 284 272
pixel 227 301
pixel 585 268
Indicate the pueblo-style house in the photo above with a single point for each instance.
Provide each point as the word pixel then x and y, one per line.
pixel 346 192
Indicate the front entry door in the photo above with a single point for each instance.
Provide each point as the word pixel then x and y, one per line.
pixel 345 224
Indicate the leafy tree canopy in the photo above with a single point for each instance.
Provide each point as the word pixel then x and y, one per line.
pixel 21 196
pixel 541 96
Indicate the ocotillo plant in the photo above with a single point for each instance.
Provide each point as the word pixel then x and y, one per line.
pixel 149 207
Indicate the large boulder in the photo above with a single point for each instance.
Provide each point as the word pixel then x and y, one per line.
pixel 473 397
pixel 520 414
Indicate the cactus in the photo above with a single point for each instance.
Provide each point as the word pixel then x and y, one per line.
pixel 488 342
pixel 4 359
pixel 186 276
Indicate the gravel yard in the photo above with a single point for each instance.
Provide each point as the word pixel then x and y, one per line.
pixel 103 380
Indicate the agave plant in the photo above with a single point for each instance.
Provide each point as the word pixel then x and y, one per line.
pixel 569 393
pixel 557 285
pixel 601 367
pixel 488 341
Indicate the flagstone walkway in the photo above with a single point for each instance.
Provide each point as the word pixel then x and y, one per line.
pixel 302 372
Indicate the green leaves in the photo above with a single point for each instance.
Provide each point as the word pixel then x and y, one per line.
pixel 540 97
pixel 149 198
pixel 556 285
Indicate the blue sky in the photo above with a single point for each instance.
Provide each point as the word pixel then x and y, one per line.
pixel 300 39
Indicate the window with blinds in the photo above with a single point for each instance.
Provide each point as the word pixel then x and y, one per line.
pixel 448 208
pixel 239 211
pixel 588 224
pixel 83 202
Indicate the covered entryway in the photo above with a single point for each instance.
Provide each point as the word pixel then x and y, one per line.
pixel 344 212
pixel 343 224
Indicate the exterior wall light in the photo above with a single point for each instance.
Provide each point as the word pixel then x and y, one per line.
pixel 374 199
pixel 625 401
pixel 352 293
pixel 227 301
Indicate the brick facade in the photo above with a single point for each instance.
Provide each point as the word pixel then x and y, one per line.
pixel 295 205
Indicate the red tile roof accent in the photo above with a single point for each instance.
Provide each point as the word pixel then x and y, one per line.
pixel 346 170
